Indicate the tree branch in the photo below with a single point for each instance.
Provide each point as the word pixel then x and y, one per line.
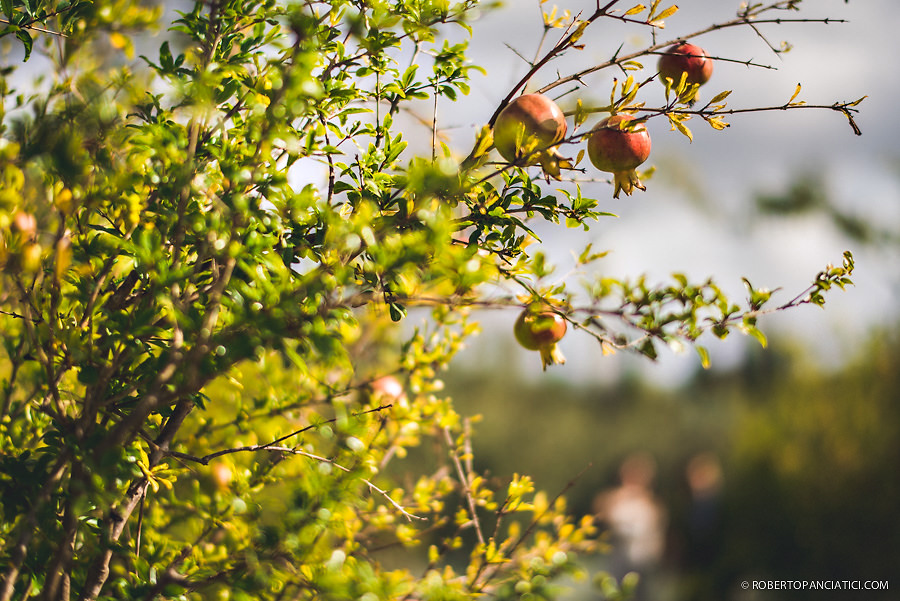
pixel 118 517
pixel 464 482
pixel 28 526
pixel 205 459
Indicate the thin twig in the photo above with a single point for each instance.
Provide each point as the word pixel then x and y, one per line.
pixel 464 481
pixel 409 516
pixel 488 576
pixel 15 315
pixel 738 22
pixel 294 451
pixel 846 108
pixel 35 28
pixel 205 459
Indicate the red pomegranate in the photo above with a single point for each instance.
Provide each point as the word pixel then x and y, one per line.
pixel 540 330
pixel 685 58
pixel 619 149
pixel 528 125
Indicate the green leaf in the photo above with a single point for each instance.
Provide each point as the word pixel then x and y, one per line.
pixel 88 375
pixel 27 42
pixel 397 311
pixel 648 349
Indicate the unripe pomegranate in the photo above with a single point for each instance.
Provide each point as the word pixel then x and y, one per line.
pixel 685 58
pixel 613 148
pixel 31 257
pixel 527 126
pixel 540 330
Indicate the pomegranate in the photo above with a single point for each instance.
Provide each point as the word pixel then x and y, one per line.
pixel 615 147
pixel 221 475
pixel 540 330
pixel 526 127
pixel 684 58
pixel 24 224
pixel 389 388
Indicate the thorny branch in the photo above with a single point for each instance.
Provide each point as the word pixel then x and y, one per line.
pixel 655 48
pixel 569 38
pixel 845 108
pixel 573 33
pixel 205 459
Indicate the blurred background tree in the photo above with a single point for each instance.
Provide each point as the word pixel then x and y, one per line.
pixel 778 467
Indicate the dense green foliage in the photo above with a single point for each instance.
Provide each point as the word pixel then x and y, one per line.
pixel 204 251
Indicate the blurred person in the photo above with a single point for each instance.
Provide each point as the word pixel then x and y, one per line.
pixel 636 520
pixel 704 478
pixel 700 529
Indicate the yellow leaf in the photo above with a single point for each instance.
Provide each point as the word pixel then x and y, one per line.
pixel 720 97
pixel 677 124
pixel 578 32
pixel 121 42
pixel 635 10
pixel 581 115
pixel 666 13
pixel 796 93
pixel 117 40
pixel 63 257
pixel 484 142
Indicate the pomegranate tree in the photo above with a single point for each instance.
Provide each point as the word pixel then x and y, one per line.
pixel 540 330
pixel 526 129
pixel 618 146
pixel 688 61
